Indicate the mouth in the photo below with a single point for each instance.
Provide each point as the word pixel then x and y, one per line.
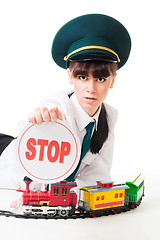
pixel 90 99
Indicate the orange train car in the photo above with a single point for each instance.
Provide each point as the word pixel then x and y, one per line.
pixel 102 196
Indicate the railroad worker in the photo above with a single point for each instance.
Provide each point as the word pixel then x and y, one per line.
pixel 91 48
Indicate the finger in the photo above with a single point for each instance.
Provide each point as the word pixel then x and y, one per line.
pixel 14 204
pixel 59 114
pixel 38 116
pixel 53 115
pixel 45 114
pixel 31 118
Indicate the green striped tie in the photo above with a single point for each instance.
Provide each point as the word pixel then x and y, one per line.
pixel 85 148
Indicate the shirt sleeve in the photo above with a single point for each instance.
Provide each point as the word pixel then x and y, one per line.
pixel 11 173
pixel 9 169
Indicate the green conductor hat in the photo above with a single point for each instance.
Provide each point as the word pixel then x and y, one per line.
pixel 91 37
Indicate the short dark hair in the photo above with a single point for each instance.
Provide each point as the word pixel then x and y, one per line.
pixel 98 68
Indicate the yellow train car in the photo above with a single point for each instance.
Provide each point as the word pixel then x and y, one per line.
pixel 104 195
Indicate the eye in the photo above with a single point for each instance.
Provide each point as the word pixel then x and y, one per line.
pixel 101 79
pixel 82 77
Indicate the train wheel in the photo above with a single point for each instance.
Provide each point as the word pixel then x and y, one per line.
pixel 38 214
pixel 63 213
pixel 133 206
pixel 115 211
pixel 52 213
pixel 94 215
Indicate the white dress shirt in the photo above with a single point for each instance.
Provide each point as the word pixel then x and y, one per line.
pixel 93 166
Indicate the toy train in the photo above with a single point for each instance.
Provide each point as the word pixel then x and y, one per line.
pixel 60 201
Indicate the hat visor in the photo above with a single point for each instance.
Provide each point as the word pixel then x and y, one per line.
pixel 92 57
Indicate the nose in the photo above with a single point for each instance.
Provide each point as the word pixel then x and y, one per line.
pixel 91 88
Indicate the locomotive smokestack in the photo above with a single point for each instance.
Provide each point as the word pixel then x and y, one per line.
pixel 27 182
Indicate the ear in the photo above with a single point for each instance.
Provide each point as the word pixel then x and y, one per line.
pixel 113 80
pixel 69 76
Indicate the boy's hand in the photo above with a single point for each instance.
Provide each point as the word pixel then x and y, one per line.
pixel 45 115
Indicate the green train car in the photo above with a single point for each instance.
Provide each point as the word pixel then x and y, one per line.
pixel 136 191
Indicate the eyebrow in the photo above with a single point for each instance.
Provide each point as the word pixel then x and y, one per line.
pixel 78 72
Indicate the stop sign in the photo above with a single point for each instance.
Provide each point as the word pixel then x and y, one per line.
pixel 48 152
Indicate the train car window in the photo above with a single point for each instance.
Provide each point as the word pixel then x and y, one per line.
pixel 116 195
pixel 56 191
pixel 98 198
pixel 102 197
pixel 121 195
pixel 64 191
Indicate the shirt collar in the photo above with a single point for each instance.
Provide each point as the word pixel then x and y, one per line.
pixel 81 117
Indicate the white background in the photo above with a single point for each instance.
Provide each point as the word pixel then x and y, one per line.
pixel 28 73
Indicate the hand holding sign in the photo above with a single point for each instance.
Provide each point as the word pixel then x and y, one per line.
pixel 45 115
pixel 49 152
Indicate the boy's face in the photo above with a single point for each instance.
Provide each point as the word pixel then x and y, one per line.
pixel 91 91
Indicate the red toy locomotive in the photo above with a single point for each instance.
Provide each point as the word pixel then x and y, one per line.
pixel 58 200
